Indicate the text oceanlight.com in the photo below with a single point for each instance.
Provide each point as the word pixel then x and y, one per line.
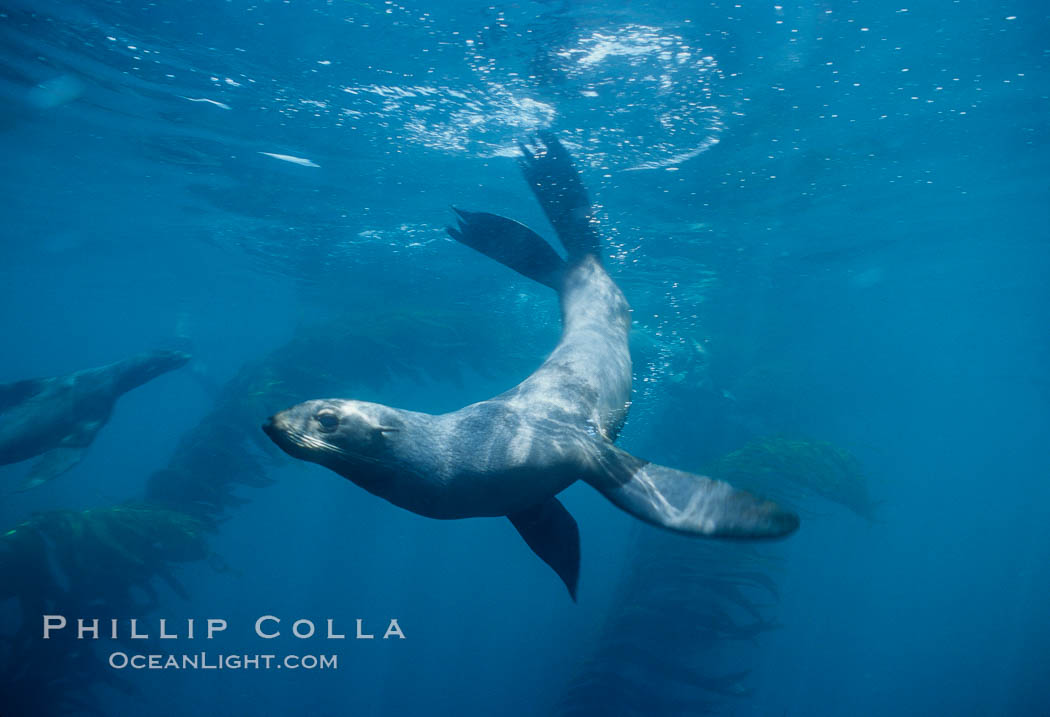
pixel 204 661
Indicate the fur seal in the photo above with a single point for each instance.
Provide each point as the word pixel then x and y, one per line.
pixel 512 454
pixel 59 417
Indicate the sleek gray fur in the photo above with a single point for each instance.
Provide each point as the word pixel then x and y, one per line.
pixel 510 455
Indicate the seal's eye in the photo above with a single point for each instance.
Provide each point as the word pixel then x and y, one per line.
pixel 328 420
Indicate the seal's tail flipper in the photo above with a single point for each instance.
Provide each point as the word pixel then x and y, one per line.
pixel 551 532
pixel 510 243
pixel 560 191
pixel 686 502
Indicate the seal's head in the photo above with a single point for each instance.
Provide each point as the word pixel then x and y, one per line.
pixel 140 369
pixel 384 450
pixel 166 360
pixel 353 438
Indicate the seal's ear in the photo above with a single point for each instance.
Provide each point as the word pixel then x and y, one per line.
pixel 552 533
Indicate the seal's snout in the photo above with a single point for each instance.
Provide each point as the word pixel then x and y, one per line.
pixel 283 429
pixel 277 430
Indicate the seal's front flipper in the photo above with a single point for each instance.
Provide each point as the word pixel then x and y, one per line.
pixel 552 534
pixel 53 464
pixel 510 243
pixel 560 191
pixel 63 456
pixel 686 502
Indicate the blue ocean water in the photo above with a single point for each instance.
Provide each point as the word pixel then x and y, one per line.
pixel 830 219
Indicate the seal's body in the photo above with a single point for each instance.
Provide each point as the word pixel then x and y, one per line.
pixel 510 455
pixel 59 417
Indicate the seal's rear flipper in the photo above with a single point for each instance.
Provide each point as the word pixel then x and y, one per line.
pixel 686 502
pixel 560 191
pixel 552 534
pixel 510 243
